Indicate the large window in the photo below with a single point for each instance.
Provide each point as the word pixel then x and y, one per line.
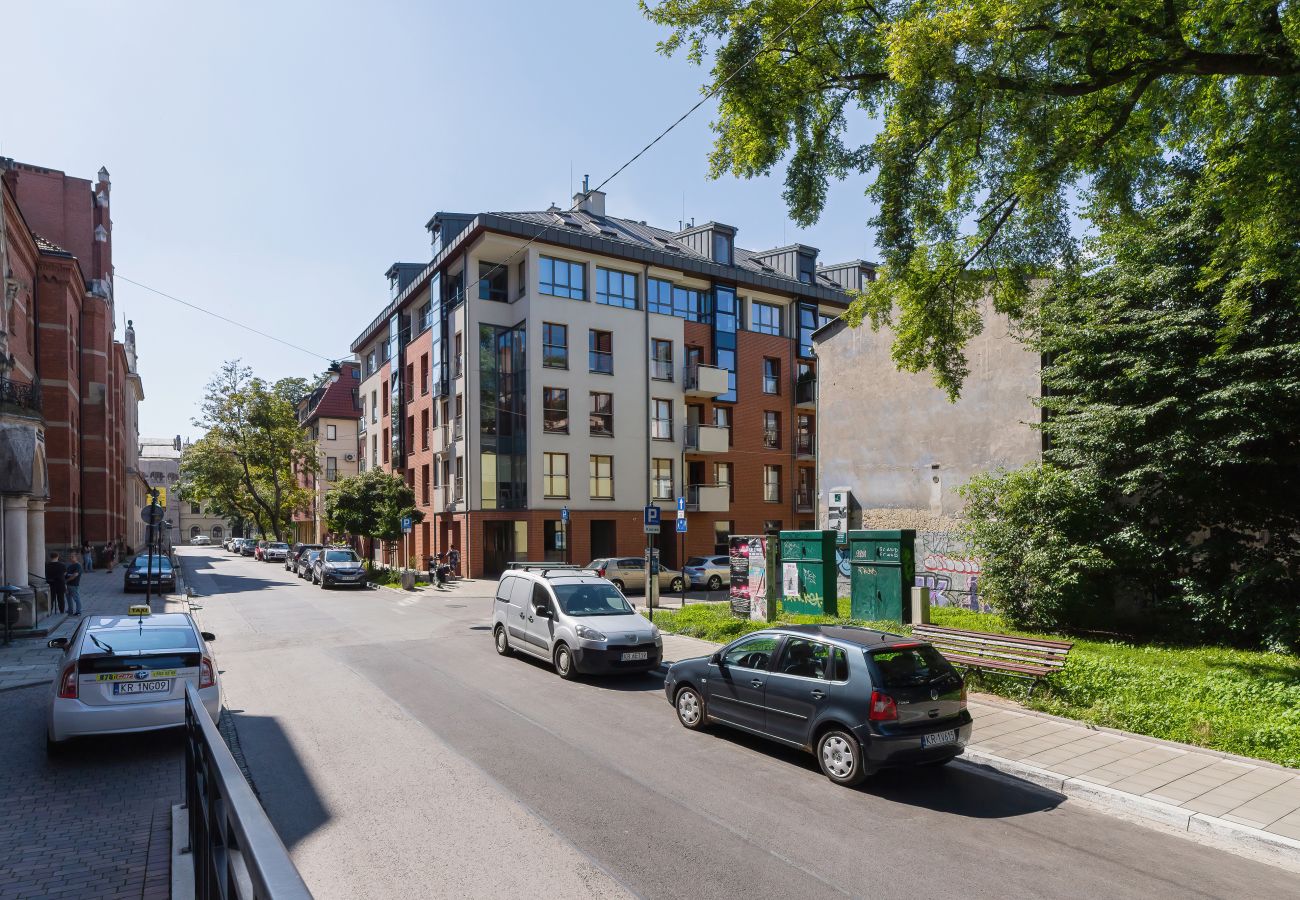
pixel 722 538
pixel 807 325
pixel 602 414
pixel 600 352
pixel 555 475
pixel 555 345
pixel 771 430
pixel 661 359
pixel 662 423
pixel 331 432
pixel 765 318
pixel 614 288
pixel 771 375
pixel 661 477
pixel 562 278
pixel 602 478
pixel 555 410
pixel 772 484
pixel 493 282
pixel 331 468
pixel 672 300
pixel 722 476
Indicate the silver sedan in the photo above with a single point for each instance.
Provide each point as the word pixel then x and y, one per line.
pixel 128 673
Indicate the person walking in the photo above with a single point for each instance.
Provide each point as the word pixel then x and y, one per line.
pixel 88 556
pixel 56 574
pixel 110 556
pixel 453 559
pixel 73 578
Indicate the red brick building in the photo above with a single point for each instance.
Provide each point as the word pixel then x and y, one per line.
pixel 63 360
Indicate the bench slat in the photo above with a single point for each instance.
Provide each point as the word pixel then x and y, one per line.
pixel 987 635
pixel 1035 652
pixel 993 665
pixel 999 656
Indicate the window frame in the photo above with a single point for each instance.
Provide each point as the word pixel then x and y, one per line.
pixel 594 477
pixel 548 265
pixel 548 406
pixel 549 475
pixel 772 376
pixel 486 289
pixel 766 318
pixel 607 416
pixel 656 478
pixel 771 483
pixel 548 346
pixel 621 299
pixel 594 336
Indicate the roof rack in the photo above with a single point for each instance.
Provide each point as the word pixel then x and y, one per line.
pixel 546 570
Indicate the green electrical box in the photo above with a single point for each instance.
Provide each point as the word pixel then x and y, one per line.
pixel 882 564
pixel 808 573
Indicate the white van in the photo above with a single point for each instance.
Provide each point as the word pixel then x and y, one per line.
pixel 573 619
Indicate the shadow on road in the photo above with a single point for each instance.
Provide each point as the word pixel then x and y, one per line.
pixel 287 792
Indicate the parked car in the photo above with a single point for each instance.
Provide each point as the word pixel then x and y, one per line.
pixel 140 572
pixel 291 559
pixel 860 700
pixel 337 566
pixel 275 550
pixel 711 572
pixel 259 551
pixel 305 561
pixel 247 547
pixel 128 673
pixel 573 619
pixel 200 539
pixel 627 573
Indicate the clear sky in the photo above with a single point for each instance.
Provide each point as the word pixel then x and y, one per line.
pixel 270 160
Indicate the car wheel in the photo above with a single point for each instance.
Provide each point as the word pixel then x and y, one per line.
pixel 503 641
pixel 618 583
pixel 690 708
pixel 714 582
pixel 324 586
pixel 677 586
pixel 840 757
pixel 564 666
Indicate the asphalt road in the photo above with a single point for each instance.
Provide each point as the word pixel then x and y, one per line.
pixel 397 754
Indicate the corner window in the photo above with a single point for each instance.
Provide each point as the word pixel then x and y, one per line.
pixel 493 282
pixel 561 278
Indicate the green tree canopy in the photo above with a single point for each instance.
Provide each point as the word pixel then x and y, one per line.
pixel 253 452
pixel 992 114
pixel 371 504
pixel 1169 495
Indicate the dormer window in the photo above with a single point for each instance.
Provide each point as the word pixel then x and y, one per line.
pixel 722 248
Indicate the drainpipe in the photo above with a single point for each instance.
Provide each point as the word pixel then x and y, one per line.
pixel 81 426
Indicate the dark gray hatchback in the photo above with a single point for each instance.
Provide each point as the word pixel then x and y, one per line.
pixel 859 700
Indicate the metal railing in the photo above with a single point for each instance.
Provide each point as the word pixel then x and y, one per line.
pixel 600 361
pixel 804 444
pixel 803 500
pixel 457 366
pixel 772 438
pixel 22 396
pixel 235 850
pixel 457 429
pixel 805 390
pixel 661 369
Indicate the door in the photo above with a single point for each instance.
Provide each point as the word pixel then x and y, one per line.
pixel 540 628
pixel 797 688
pixel 511 612
pixel 498 546
pixel 736 683
pixel 603 537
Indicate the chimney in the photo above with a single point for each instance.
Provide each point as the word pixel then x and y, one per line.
pixel 589 201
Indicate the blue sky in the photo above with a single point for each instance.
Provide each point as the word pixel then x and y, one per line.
pixel 270 160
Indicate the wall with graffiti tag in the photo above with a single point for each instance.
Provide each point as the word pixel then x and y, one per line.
pixel 943 564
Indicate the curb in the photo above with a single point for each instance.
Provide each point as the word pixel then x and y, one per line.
pixel 1278 848
pixel 182 877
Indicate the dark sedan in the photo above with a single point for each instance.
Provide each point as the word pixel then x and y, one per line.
pixel 860 700
pixel 140 572
pixel 306 559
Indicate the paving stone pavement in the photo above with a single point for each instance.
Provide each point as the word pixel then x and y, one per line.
pixel 1194 781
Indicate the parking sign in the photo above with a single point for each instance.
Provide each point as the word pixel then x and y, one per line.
pixel 406 524
pixel 651 519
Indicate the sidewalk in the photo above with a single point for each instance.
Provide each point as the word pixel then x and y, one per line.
pixel 1248 802
pixel 29 661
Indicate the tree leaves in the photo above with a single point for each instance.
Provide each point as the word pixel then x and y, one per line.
pixel 372 504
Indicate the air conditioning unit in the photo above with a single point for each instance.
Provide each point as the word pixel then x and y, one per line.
pixel 349 456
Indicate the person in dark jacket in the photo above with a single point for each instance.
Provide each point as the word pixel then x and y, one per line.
pixel 56 573
pixel 73 580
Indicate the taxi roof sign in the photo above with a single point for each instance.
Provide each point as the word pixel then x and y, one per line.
pixel 141 610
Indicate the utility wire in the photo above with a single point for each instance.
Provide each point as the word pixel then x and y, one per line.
pixel 225 319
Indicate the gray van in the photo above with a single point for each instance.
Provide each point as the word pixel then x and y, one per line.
pixel 573 619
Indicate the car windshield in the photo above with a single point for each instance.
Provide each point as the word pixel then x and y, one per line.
pixel 129 640
pixel 910 665
pixel 278 547
pixel 160 563
pixel 341 556
pixel 591 600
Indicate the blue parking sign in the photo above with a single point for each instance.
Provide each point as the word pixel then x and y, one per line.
pixel 564 514
pixel 652 515
pixel 406 524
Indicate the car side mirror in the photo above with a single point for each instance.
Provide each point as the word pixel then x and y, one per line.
pixel 543 611
pixel 57 643
pixel 716 658
pixel 208 635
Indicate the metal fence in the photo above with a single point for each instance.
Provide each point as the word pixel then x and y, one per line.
pixel 236 852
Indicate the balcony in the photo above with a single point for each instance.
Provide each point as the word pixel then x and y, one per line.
pixel 805 445
pixel 439 386
pixel 704 381
pixel 707 439
pixel 805 392
pixel 661 369
pixel 803 500
pixel 18 397
pixel 455 493
pixel 713 498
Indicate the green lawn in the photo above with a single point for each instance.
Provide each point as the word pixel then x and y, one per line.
pixel 1237 701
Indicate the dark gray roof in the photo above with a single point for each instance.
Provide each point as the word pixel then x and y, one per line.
pixel 48 247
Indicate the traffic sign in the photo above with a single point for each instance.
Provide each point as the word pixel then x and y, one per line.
pixel 151 514
pixel 564 514
pixel 681 506
pixel 406 524
pixel 681 525
pixel 651 519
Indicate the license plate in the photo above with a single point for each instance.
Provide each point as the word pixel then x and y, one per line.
pixel 635 655
pixel 939 738
pixel 142 687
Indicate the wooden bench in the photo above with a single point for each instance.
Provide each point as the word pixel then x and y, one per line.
pixel 1019 657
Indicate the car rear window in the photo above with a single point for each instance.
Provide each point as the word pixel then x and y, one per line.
pixel 696 561
pixel 909 665
pixel 134 640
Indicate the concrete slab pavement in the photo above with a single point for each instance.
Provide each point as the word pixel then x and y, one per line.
pixel 1251 804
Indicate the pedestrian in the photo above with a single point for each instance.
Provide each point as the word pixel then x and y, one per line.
pixel 73 579
pixel 88 556
pixel 110 556
pixel 453 560
pixel 56 574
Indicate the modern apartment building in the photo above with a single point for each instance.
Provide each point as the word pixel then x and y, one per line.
pixel 572 359
pixel 331 415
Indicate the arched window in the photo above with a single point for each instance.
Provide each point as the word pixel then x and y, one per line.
pixel 194 531
pixel 217 533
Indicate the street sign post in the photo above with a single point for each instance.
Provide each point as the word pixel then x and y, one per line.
pixel 564 526
pixel 681 542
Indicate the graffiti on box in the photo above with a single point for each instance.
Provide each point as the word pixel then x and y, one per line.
pixel 943 565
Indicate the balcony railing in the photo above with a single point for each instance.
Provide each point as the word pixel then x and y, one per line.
pixel 772 438
pixel 661 369
pixel 708 438
pixel 457 429
pixel 601 361
pixel 708 497
pixel 455 492
pixel 17 395
pixel 804 444
pixel 805 391
pixel 704 381
pixel 457 367
pixel 803 500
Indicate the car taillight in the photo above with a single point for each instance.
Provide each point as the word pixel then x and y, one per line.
pixel 206 678
pixel 883 708
pixel 601 571
pixel 68 683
